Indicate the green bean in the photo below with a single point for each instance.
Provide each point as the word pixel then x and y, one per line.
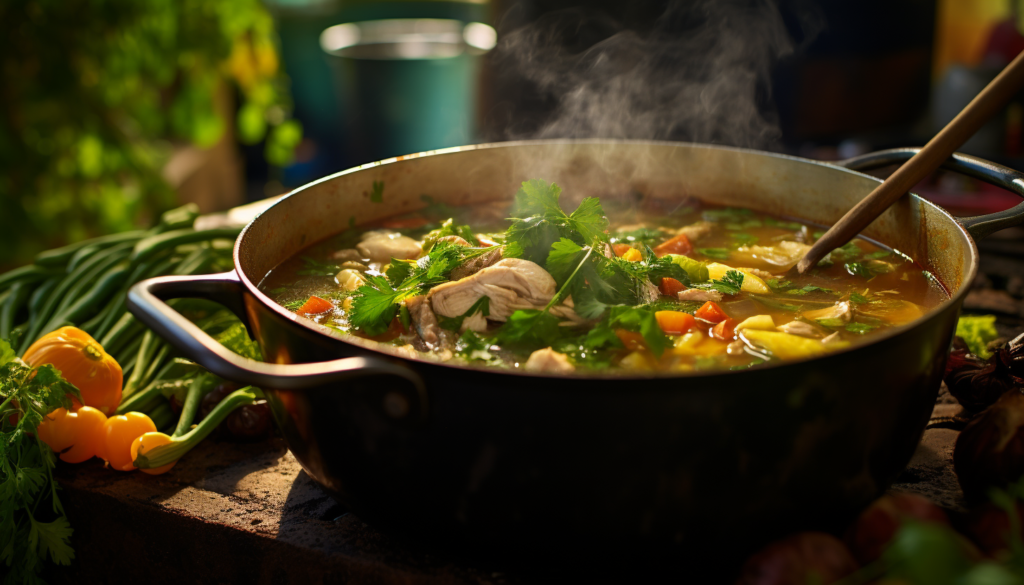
pixel 114 339
pixel 82 255
pixel 162 415
pixel 91 278
pixel 146 248
pixel 193 261
pixel 85 305
pixel 39 296
pixel 150 345
pixel 69 281
pixel 190 407
pixel 178 218
pixel 30 273
pixel 124 355
pixel 158 266
pixel 61 256
pixel 19 294
pixel 158 360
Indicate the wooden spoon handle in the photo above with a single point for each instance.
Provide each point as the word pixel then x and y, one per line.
pixel 986 104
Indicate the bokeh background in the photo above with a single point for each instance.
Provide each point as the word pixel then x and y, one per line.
pixel 114 110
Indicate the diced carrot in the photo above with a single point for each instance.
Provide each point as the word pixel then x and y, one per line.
pixel 711 312
pixel 677 245
pixel 725 330
pixel 314 306
pixel 621 249
pixel 633 255
pixel 485 241
pixel 407 223
pixel 670 286
pixel 674 322
pixel 631 339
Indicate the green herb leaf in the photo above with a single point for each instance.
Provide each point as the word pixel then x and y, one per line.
pixel 833 323
pixel 858 299
pixel 640 235
pixel 642 321
pixel 772 303
pixel 312 267
pixel 730 284
pixel 809 289
pixel 744 239
pixel 450 228
pixel 716 253
pixel 377 192
pixel 474 348
pixel 530 328
pixel 860 328
pixel 777 284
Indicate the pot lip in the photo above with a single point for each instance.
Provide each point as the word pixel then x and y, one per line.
pixel 954 299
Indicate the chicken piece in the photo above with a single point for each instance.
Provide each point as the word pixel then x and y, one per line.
pixel 350 279
pixel 425 321
pixel 840 310
pixel 833 339
pixel 382 246
pixel 549 361
pixel 474 265
pixel 801 328
pixel 696 231
pixel 511 284
pixel 762 274
pixel 696 294
pixel 357 266
pixel 457 240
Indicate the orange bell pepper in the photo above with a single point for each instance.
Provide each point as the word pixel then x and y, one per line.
pixel 74 436
pixel 118 434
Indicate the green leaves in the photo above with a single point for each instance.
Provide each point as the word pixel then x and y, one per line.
pixel 729 284
pixel 530 329
pixel 716 253
pixel 450 228
pixel 27 487
pixel 541 222
pixel 978 331
pixel 638 319
pixel 809 289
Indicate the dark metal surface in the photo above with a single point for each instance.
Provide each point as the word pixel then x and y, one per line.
pixel 681 462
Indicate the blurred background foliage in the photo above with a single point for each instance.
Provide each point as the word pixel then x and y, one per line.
pixel 96 94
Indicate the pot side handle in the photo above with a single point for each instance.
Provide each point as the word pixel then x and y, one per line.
pixel 146 300
pixel 978 226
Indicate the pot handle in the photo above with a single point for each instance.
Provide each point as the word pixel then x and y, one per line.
pixel 978 226
pixel 146 302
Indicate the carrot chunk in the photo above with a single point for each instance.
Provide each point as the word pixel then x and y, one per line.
pixel 677 245
pixel 631 339
pixel 621 249
pixel 670 286
pixel 633 255
pixel 711 312
pixel 314 306
pixel 725 330
pixel 674 322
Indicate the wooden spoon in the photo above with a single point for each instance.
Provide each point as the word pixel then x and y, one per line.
pixel 991 99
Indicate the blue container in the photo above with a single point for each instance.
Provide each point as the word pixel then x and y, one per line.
pixel 407 85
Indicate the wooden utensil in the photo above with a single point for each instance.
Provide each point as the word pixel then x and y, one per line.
pixel 991 99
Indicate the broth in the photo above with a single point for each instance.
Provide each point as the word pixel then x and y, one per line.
pixel 687 287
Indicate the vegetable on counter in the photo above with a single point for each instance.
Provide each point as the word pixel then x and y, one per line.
pixel 83 363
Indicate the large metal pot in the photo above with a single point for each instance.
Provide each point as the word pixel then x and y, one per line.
pixel 688 460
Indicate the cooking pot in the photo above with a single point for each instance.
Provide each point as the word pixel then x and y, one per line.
pixel 672 460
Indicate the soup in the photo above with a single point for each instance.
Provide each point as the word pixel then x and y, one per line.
pixel 618 287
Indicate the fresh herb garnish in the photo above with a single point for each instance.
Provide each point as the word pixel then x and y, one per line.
pixel 859 328
pixel 730 284
pixel 530 328
pixel 744 239
pixel 868 268
pixel 832 323
pixel 32 521
pixel 542 222
pixel 377 192
pixel 642 235
pixel 449 228
pixel 474 348
pixel 809 289
pixel 777 284
pixel 776 304
pixel 638 319
pixel 846 252
pixel 375 303
pixel 858 299
pixel 716 253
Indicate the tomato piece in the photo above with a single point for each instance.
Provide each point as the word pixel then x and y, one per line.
pixel 118 434
pixel 711 312
pixel 485 241
pixel 621 249
pixel 725 330
pixel 146 442
pixel 315 305
pixel 670 286
pixel 677 245
pixel 631 339
pixel 674 322
pixel 633 255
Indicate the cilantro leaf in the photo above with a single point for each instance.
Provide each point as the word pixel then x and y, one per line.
pixel 730 284
pixel 375 304
pixel 538 197
pixel 860 328
pixel 588 220
pixel 858 299
pixel 472 347
pixel 642 321
pixel 772 303
pixel 777 284
pixel 529 328
pixel 645 235
pixel 6 352
pixel 809 289
pixel 450 228
pixel 727 214
pixel 542 222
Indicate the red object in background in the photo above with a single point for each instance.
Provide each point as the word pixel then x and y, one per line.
pixel 876 526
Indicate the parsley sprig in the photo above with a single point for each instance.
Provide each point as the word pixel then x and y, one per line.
pixel 32 521
pixel 540 222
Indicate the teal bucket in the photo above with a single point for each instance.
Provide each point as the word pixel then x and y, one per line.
pixel 407 85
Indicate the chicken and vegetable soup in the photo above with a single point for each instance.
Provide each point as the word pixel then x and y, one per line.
pixel 631 285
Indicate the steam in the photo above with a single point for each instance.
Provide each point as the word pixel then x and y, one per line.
pixel 700 74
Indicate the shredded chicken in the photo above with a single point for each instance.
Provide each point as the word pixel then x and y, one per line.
pixel 549 361
pixel 382 246
pixel 696 294
pixel 802 329
pixel 736 348
pixel 425 321
pixel 840 310
pixel 511 284
pixel 474 265
pixel 831 338
pixel 696 231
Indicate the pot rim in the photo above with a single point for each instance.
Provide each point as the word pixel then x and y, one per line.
pixel 954 297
